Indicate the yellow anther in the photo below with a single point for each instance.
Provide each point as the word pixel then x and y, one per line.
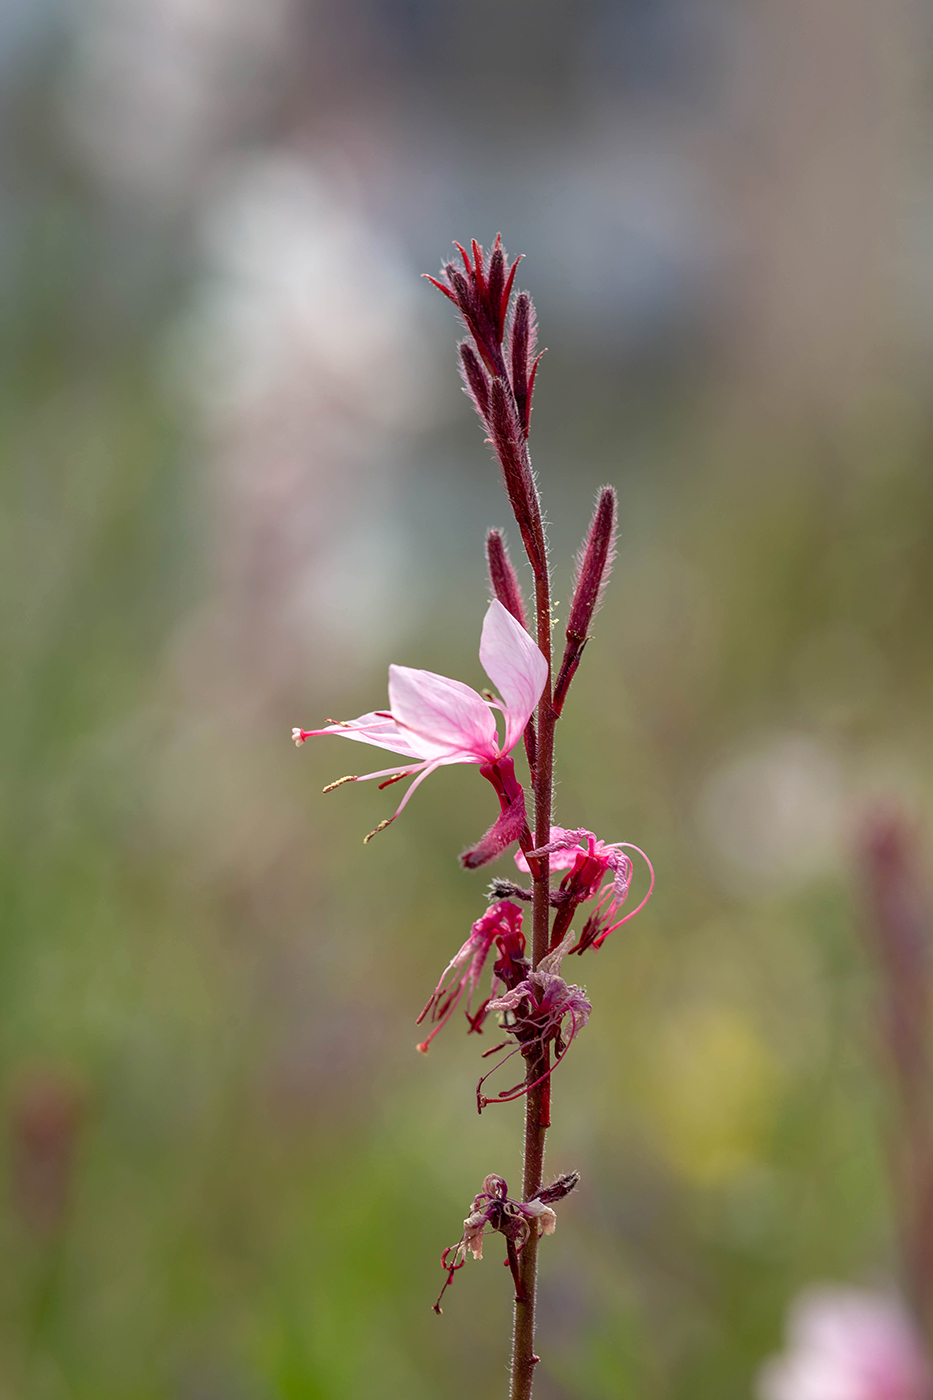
pixel 350 778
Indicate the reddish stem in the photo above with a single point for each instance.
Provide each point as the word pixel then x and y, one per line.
pixel 537 1103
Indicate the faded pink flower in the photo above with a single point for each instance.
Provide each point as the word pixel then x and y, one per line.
pixel 848 1344
pixel 588 860
pixel 502 922
pixel 433 720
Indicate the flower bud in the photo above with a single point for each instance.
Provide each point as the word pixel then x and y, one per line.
pixel 503 577
pixel 594 563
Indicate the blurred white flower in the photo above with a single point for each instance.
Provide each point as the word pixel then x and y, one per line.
pixel 302 296
pixel 848 1344
pixel 303 358
pixel 772 815
pixel 157 88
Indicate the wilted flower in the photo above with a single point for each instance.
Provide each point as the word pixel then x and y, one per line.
pixel 433 720
pixel 494 1210
pixel 587 861
pixel 848 1344
pixel 542 1009
pixel 501 923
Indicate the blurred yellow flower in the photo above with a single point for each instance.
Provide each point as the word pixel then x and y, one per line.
pixel 714 1086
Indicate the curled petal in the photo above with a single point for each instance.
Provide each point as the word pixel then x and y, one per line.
pixel 516 667
pixel 507 828
pixel 549 966
pixel 511 1001
pixel 544 1217
pixel 563 849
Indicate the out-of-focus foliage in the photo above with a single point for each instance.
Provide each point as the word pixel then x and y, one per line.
pixel 238 481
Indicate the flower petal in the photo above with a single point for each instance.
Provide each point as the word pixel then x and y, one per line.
pixel 563 857
pixel 376 729
pixel 515 666
pixel 545 1218
pixel 507 827
pixel 443 717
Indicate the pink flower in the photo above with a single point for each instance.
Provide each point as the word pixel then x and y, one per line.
pixel 588 860
pixel 845 1344
pixel 502 922
pixel 433 720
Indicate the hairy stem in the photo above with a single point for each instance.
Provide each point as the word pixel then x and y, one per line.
pixel 537 1102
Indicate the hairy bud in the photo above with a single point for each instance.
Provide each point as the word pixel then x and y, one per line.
pixel 558 1189
pixel 503 578
pixel 524 363
pixel 508 439
pixel 476 380
pixel 594 563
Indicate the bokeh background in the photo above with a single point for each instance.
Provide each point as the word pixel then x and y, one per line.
pixel 239 478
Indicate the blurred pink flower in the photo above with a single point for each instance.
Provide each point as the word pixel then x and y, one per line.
pixel 846 1344
pixel 434 720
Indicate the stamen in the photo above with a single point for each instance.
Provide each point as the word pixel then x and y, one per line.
pixel 350 778
pixel 376 830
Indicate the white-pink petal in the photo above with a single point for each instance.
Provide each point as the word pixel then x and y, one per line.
pixel 375 729
pixel 442 716
pixel 516 667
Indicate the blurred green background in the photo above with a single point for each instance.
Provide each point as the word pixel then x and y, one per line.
pixel 239 479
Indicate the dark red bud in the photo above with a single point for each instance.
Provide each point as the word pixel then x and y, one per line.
pixel 558 1189
pixel 521 353
pixel 508 439
pixel 503 577
pixel 594 564
pixel 495 287
pixel 476 380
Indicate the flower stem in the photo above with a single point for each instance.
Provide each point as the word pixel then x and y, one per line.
pixel 537 1101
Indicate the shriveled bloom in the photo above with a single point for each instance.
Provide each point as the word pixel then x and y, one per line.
pixel 587 861
pixel 542 1010
pixel 501 923
pixel 494 1210
pixel 848 1344
pixel 433 720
